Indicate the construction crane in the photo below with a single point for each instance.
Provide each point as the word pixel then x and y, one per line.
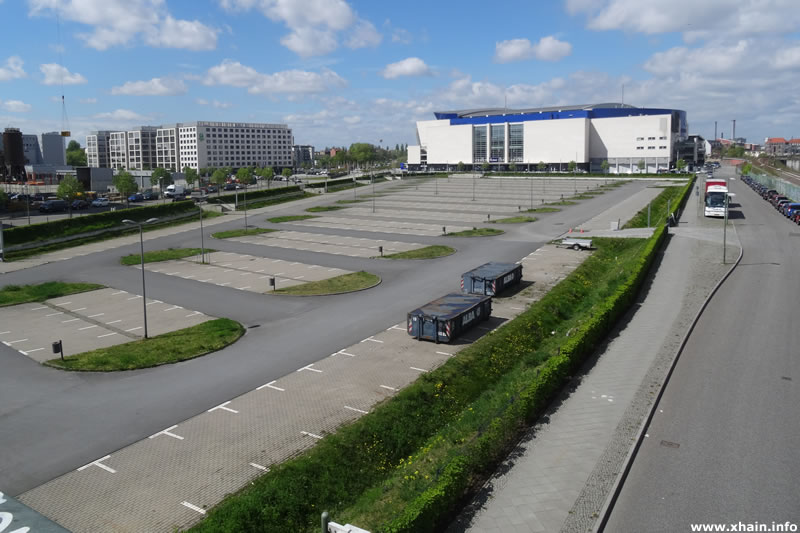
pixel 65 131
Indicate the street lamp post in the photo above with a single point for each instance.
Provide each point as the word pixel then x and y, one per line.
pixel 202 240
pixel 141 249
pixel 372 176
pixel 28 201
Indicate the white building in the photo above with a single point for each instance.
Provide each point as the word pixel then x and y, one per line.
pixel 627 137
pixel 199 145
pixel 97 149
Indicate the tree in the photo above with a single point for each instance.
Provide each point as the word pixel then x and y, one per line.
pixel 125 183
pixel 640 165
pixel 266 173
pixel 571 166
pixel 218 178
pixel 68 190
pixel 245 175
pixel 747 168
pixel 512 167
pixel 461 166
pixel 76 156
pixel 604 165
pixel 541 167
pixel 161 177
pixel 191 175
pixel 680 164
pixel 485 166
pixel 286 172
pixel 362 153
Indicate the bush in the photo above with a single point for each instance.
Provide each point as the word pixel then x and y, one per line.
pixel 98 221
pixel 253 195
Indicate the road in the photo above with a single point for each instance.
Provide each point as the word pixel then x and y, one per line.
pixel 54 422
pixel 722 447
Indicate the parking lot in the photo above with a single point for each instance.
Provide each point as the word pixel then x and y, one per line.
pixel 88 321
pixel 244 272
pixel 380 226
pixel 328 244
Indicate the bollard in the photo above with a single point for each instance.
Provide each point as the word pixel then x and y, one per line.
pixel 325 520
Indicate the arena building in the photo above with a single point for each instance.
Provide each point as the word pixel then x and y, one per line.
pixel 631 139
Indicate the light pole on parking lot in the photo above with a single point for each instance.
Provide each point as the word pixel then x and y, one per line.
pixel 141 249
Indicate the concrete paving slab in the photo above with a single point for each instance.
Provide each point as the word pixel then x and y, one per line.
pixel 329 244
pixel 380 226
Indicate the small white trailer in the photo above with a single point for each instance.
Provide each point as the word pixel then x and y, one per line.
pixel 577 244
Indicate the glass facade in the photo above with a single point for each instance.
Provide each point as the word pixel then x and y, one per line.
pixel 498 138
pixel 479 144
pixel 515 143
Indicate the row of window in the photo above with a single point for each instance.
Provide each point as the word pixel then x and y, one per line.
pixel 662 138
pixel 651 147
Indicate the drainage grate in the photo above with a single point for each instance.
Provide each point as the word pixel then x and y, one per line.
pixel 669 444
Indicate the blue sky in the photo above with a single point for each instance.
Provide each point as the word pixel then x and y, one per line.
pixel 341 71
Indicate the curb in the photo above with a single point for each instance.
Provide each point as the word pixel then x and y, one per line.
pixel 616 489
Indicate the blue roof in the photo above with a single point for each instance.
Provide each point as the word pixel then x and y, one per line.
pixel 495 115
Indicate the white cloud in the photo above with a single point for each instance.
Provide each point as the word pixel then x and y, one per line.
pixel 289 81
pixel 55 74
pixel 88 100
pixel 122 115
pixel 411 66
pixel 12 69
pixel 547 49
pixel 399 35
pixel 154 87
pixel 215 103
pixel 787 58
pixel 352 119
pixel 696 20
pixel 15 106
pixel 314 24
pixel 118 22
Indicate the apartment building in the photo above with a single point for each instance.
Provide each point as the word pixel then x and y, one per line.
pixel 97 149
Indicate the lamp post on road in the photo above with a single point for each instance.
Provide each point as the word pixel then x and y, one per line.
pixel 141 248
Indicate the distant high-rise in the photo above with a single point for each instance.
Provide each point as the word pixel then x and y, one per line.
pixel 97 145
pixel 53 149
pixel 13 152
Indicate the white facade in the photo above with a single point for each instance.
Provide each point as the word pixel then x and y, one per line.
pixel 97 149
pixel 142 148
pixel 630 139
pixel 167 153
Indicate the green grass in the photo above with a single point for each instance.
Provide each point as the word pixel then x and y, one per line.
pixel 240 232
pixel 274 201
pixel 515 220
pixel 346 283
pixel 562 202
pixel 376 468
pixel 429 252
pixel 323 208
pixel 155 256
pixel 22 254
pixel 163 349
pixel 289 218
pixel 349 201
pixel 476 232
pixel 658 208
pixel 20 294
pixel 543 210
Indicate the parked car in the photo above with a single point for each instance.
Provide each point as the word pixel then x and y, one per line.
pixel 53 206
pixel 136 197
pixel 150 195
pixel 212 188
pixel 229 187
pixel 79 204
pixel 101 202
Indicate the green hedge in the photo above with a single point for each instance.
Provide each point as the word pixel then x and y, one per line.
pixel 98 221
pixel 253 195
pixel 330 183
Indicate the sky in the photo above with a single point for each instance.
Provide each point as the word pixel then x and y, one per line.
pixel 339 71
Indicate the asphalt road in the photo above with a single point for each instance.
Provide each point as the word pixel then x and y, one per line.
pixel 723 445
pixel 54 421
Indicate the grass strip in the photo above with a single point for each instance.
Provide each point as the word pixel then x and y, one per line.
pixel 172 347
pixel 543 210
pixel 20 294
pixel 658 208
pixel 274 201
pixel 155 256
pixel 289 218
pixel 369 471
pixel 355 281
pixel 519 219
pixel 241 232
pixel 22 254
pixel 349 201
pixel 476 232
pixel 562 202
pixel 429 252
pixel 323 208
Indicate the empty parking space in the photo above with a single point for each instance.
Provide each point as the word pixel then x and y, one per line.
pixel 443 217
pixel 88 321
pixel 380 226
pixel 329 244
pixel 244 272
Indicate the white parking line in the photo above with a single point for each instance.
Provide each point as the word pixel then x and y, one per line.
pixel 226 265
pixel 88 327
pixel 172 308
pixel 54 314
pixel 31 351
pixel 307 367
pixel 194 314
pixel 112 322
pixel 395 327
pixel 344 353
pixel 516 308
pixel 243 288
pixel 151 303
pixel 417 369
pixel 259 272
pixel 190 276
pixel 132 329
pixel 223 284
pixel 99 464
pixel 356 410
pixel 371 339
pixel 271 386
pixel 78 309
pixel 107 335
pixel 173 273
pixel 98 314
pixel 119 292
pixel 4 332
pixel 194 507
pixel 70 320
pixel 43 307
pixel 245 273
pixel 260 467
pixel 134 297
pixel 167 433
pixel 389 388
pixel 445 353
pixel 299 277
pixel 222 406
pixel 332 269
pixel 204 280
pixel 310 434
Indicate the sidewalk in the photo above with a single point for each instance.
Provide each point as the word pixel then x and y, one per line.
pixel 559 475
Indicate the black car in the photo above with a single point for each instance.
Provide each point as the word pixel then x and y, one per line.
pixel 80 204
pixel 212 188
pixel 53 206
pixel 150 195
pixel 230 187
